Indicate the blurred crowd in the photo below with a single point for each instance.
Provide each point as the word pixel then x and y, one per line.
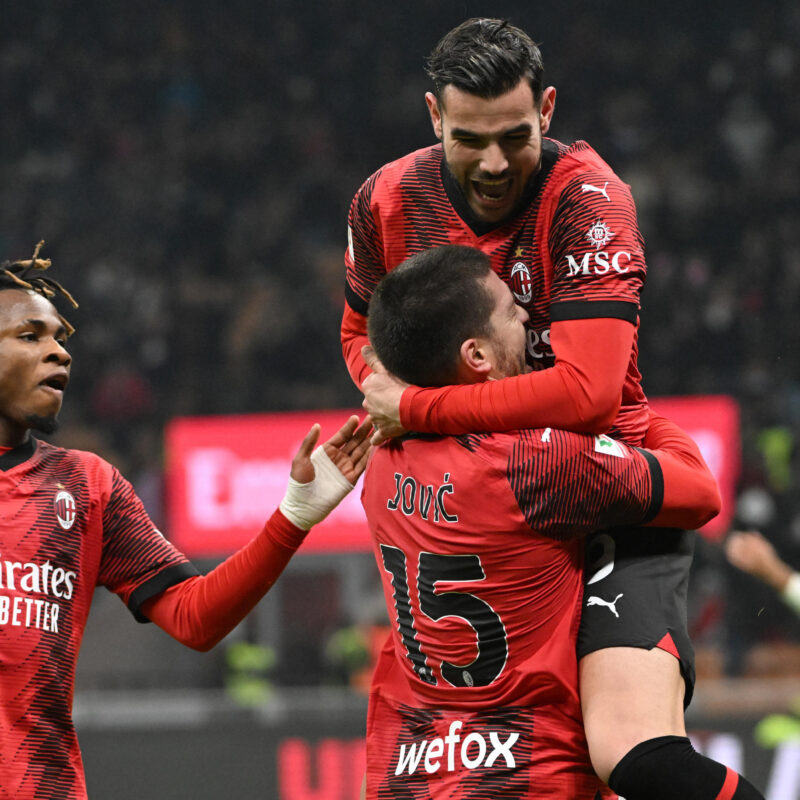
pixel 191 165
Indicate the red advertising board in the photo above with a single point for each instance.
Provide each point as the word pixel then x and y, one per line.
pixel 227 474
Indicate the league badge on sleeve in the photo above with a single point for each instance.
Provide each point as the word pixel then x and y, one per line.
pixel 611 447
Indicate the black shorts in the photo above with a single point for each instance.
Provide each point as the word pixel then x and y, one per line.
pixel 636 582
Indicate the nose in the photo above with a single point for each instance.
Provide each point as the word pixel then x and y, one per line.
pixel 58 353
pixel 493 159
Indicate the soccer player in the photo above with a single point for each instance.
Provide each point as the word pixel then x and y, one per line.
pixel 476 693
pixel 560 229
pixel 69 522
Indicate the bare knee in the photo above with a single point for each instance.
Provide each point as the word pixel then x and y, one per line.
pixel 628 695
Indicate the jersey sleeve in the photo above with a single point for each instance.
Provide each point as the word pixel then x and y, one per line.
pixel 364 267
pixel 200 611
pixel 596 249
pixel 581 392
pixel 569 484
pixel 137 561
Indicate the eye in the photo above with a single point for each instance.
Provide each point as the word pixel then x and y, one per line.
pixel 28 336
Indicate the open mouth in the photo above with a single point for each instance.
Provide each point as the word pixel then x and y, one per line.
pixel 55 382
pixel 492 191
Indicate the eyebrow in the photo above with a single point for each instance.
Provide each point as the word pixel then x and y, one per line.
pixel 40 325
pixel 523 127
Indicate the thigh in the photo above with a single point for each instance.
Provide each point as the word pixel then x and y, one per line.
pixel 635 594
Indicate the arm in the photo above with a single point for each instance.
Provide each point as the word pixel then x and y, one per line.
pixel 751 552
pixel 581 392
pixel 354 338
pixel 364 262
pixel 200 611
pixel 690 494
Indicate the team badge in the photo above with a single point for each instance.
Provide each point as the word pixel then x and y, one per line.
pixel 599 234
pixel 64 506
pixel 521 284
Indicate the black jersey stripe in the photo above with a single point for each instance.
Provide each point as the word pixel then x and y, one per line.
pixel 657 500
pixel 157 584
pixel 597 309
pixel 358 304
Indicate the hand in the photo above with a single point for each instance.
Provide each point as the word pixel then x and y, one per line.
pixel 382 393
pixel 751 552
pixel 320 479
pixel 348 449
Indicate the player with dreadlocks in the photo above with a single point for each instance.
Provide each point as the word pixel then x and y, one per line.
pixel 69 522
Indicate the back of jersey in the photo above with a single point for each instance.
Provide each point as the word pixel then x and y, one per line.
pixel 479 679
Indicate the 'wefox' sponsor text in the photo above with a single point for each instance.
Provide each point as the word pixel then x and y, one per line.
pixel 472 752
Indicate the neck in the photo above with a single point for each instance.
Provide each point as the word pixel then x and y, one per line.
pixel 12 435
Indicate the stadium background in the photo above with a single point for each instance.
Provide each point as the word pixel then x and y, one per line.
pixel 190 165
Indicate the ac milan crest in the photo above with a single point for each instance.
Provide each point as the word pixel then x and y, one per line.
pixel 64 506
pixel 521 284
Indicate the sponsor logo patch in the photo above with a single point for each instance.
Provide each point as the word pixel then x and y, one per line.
pixel 599 234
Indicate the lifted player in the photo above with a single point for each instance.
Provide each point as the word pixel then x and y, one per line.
pixel 69 522
pixel 476 694
pixel 560 229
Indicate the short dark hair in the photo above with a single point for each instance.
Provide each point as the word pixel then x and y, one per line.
pixel 25 276
pixel 424 309
pixel 486 57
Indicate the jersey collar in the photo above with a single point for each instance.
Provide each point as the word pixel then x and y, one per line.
pixel 462 208
pixel 18 455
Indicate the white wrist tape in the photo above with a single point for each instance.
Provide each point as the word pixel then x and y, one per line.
pixel 791 593
pixel 306 504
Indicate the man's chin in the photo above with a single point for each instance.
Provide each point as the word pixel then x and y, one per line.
pixel 41 424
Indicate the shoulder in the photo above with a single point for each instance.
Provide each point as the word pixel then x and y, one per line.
pixel 389 179
pixel 92 466
pixel 579 169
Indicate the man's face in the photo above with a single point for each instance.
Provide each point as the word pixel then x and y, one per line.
pixel 34 366
pixel 492 147
pixel 505 349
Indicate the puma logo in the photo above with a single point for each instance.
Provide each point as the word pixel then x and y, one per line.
pixel 598 601
pixel 587 187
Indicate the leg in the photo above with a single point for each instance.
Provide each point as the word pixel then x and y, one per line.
pixel 637 670
pixel 628 695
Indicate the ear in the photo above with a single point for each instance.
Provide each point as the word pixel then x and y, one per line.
pixel 433 110
pixel 474 363
pixel 548 107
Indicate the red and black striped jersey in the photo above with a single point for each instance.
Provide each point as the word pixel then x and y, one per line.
pixel 476 539
pixel 68 522
pixel 573 251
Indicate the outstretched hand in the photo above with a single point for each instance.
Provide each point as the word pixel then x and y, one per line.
pixel 348 449
pixel 382 393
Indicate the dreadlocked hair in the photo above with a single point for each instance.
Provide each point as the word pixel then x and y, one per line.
pixel 20 275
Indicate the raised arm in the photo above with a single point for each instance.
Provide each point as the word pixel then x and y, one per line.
pixel 581 392
pixel 200 611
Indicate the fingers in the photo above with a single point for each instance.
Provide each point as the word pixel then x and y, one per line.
pixel 309 442
pixel 373 362
pixel 345 433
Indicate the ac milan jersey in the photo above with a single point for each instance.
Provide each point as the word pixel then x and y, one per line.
pixel 573 251
pixel 68 522
pixel 475 539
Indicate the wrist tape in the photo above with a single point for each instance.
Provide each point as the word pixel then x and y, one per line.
pixel 306 504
